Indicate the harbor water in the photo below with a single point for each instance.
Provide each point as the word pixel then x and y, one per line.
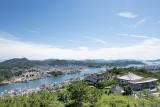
pixel 48 80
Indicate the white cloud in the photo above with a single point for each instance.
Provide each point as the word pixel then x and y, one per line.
pixel 84 48
pixel 127 14
pixel 140 22
pixel 100 41
pixel 33 31
pixel 136 36
pixel 95 40
pixel 88 39
pixel 7 35
pixel 72 41
pixel 148 49
pixel 140 36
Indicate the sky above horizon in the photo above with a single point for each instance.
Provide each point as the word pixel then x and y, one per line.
pixel 80 29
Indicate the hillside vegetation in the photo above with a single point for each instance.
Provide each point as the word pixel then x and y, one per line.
pixel 81 94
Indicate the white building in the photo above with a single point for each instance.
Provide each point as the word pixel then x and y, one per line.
pixel 138 83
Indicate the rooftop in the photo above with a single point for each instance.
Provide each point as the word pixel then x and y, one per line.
pixel 130 76
pixel 143 80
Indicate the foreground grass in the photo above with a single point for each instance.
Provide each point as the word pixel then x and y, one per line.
pixel 48 99
pixel 127 101
pixel 44 99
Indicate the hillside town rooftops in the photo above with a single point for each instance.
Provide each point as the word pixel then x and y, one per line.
pixel 130 76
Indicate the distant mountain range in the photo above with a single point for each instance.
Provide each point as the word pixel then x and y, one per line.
pixel 16 66
pixel 157 60
pixel 24 62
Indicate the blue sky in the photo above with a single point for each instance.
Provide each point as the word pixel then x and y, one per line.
pixel 80 28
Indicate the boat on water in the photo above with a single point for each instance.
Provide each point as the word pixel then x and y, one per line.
pixel 5 82
pixel 1 84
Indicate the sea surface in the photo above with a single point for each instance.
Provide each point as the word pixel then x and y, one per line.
pixel 49 80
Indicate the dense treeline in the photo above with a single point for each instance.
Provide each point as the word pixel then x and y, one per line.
pixel 5 74
pixel 56 73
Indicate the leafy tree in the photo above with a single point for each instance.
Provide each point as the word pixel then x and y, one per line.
pixel 63 95
pixel 78 93
pixel 81 93
pixel 105 83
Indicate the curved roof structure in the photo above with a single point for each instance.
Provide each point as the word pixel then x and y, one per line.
pixel 144 80
pixel 130 76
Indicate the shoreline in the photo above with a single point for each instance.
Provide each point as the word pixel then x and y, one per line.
pixel 71 77
pixel 36 77
pixel 50 87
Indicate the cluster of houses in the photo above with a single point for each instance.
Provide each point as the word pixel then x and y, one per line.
pixel 135 82
pixel 31 74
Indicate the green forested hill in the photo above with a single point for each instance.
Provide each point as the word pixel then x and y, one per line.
pixel 24 62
